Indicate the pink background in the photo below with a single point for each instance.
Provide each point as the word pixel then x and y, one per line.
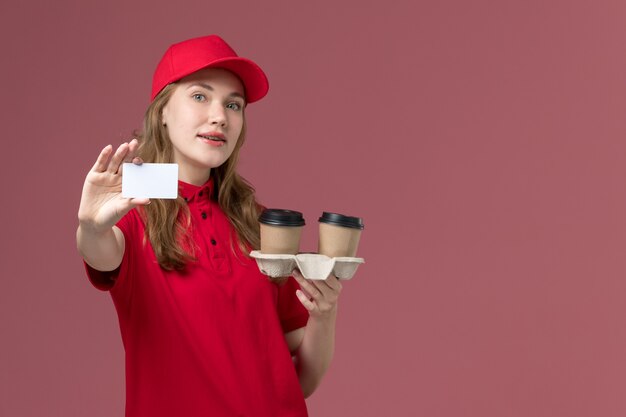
pixel 483 143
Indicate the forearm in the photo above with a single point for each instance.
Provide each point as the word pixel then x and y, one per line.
pixel 316 351
pixel 101 250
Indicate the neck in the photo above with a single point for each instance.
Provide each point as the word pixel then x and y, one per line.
pixel 193 176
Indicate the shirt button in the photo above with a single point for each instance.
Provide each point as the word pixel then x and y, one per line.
pixel 213 242
pixel 200 193
pixel 203 215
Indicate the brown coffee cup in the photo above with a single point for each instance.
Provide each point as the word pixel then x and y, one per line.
pixel 280 231
pixel 339 235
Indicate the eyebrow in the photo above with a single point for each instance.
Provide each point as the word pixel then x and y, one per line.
pixel 208 87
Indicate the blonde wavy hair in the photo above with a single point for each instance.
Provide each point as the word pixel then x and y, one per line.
pixel 168 222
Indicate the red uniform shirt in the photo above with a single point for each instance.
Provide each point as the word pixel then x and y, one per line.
pixel 207 341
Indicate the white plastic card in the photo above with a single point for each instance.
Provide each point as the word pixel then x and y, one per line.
pixel 150 181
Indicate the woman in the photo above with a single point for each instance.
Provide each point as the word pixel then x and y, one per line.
pixel 204 332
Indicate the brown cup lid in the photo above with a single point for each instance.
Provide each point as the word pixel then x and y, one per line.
pixel 281 217
pixel 341 220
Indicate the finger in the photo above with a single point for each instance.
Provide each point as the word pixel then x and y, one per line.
pixel 124 205
pixel 307 285
pixel 101 162
pixel 136 160
pixel 133 145
pixel 333 283
pixel 306 294
pixel 133 148
pixel 321 288
pixel 306 302
pixel 118 157
pixel 140 201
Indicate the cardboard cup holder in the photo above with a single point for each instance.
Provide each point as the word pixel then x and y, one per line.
pixel 311 265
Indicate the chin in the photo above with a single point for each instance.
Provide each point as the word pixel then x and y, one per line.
pixel 211 164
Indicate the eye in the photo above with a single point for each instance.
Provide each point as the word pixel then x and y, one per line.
pixel 234 106
pixel 198 97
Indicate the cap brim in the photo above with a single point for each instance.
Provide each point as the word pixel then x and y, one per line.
pixel 251 75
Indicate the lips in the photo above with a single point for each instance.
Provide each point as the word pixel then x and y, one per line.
pixel 214 136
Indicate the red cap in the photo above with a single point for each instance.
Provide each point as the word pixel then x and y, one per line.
pixel 187 57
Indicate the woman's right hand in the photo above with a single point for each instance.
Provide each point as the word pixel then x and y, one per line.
pixel 101 203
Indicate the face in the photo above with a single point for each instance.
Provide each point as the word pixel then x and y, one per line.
pixel 204 118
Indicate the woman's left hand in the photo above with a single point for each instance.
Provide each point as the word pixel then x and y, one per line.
pixel 318 296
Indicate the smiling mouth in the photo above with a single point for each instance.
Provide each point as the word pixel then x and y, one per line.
pixel 212 138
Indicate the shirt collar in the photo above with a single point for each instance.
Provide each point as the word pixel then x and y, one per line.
pixel 192 192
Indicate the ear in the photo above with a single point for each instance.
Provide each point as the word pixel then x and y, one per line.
pixel 164 113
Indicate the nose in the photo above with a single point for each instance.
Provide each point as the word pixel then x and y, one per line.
pixel 217 115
